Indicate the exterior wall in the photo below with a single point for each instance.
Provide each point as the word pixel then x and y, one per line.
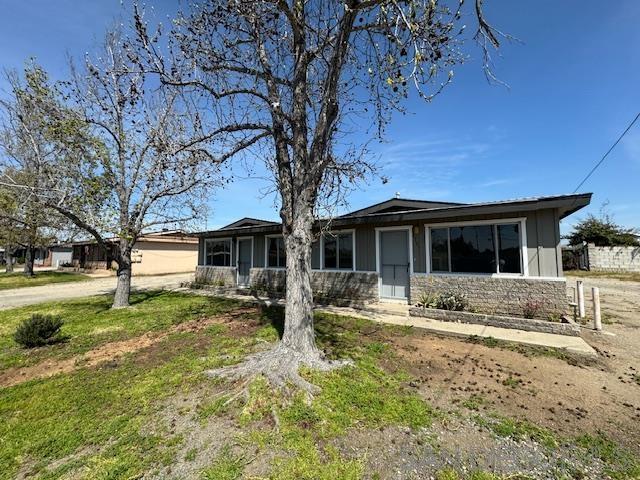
pixel 334 286
pixel 543 242
pixel 161 257
pixel 497 295
pixel 60 255
pixel 613 259
pixel 218 276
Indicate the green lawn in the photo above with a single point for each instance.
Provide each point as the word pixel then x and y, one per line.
pixel 138 415
pixel 19 280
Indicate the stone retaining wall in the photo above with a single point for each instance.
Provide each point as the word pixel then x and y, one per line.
pixel 217 276
pixel 497 295
pixel 338 287
pixel 613 259
pixel 529 325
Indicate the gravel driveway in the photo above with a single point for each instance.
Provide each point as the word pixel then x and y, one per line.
pixel 31 295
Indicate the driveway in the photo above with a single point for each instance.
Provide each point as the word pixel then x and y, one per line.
pixel 63 291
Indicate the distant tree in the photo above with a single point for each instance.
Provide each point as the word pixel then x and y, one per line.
pixel 122 155
pixel 288 79
pixel 603 232
pixel 25 221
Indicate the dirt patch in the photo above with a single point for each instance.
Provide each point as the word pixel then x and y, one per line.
pixel 568 399
pixel 400 453
pixel 241 322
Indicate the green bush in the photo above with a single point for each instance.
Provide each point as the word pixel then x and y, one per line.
pixel 38 330
pixel 452 301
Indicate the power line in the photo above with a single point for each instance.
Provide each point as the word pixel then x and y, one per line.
pixel 608 152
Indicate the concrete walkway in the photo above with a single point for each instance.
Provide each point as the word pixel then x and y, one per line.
pixel 20 297
pixel 398 314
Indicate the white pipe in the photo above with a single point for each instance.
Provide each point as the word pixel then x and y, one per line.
pixel 597 320
pixel 581 312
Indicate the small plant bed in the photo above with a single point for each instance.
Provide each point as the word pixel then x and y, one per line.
pixel 19 280
pixel 528 324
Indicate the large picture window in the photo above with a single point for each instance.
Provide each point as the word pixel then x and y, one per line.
pixel 217 253
pixel 486 248
pixel 338 251
pixel 276 257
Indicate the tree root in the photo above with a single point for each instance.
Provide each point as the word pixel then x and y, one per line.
pixel 280 367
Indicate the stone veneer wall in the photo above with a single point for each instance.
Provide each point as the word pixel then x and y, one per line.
pixel 613 259
pixel 497 295
pixel 218 276
pixel 339 287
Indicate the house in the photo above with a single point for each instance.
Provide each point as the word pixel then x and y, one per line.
pixel 499 254
pixel 153 253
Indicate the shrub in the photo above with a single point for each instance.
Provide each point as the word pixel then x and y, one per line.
pixel 38 330
pixel 452 301
pixel 427 299
pixel 530 308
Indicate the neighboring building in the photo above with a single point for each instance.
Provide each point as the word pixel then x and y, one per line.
pixel 153 253
pixel 500 254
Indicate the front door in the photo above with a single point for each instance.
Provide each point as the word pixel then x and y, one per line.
pixel 244 261
pixel 394 263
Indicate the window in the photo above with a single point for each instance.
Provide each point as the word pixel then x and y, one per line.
pixel 487 248
pixel 276 257
pixel 509 248
pixel 218 253
pixel 440 250
pixel 472 249
pixel 338 251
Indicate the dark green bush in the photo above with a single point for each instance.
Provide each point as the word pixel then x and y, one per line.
pixel 38 330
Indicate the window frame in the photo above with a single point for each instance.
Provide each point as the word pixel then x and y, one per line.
pixel 524 261
pixel 266 251
pixel 211 240
pixel 337 233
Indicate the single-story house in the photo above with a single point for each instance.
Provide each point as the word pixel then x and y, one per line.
pixel 153 253
pixel 499 254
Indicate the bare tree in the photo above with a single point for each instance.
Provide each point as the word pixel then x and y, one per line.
pixel 128 155
pixel 291 78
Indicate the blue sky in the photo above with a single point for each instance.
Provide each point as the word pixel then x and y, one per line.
pixel 574 86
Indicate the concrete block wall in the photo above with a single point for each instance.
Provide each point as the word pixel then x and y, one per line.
pixel 343 286
pixel 497 295
pixel 217 276
pixel 613 259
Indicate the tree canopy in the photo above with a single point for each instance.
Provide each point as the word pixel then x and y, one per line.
pixel 603 232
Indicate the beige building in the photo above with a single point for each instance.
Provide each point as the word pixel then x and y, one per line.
pixel 153 253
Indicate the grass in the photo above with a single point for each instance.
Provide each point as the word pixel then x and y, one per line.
pixel 623 276
pixel 90 322
pixel 111 422
pixel 19 280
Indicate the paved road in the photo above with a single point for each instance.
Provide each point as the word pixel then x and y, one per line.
pixel 62 291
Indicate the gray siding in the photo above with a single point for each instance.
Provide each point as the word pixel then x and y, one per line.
pixel 365 248
pixel 258 251
pixel 543 243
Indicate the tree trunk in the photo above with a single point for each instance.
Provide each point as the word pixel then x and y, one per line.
pixel 299 334
pixel 8 257
pixel 28 261
pixel 123 287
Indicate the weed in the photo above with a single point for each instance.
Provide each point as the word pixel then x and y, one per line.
pixel 511 382
pixel 227 466
pixel 519 430
pixel 474 402
pixel 621 463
